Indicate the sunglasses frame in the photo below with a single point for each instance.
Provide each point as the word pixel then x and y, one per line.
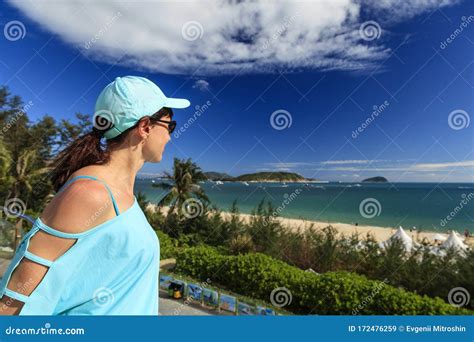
pixel 171 124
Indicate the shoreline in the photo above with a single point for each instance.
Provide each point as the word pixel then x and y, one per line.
pixel 380 234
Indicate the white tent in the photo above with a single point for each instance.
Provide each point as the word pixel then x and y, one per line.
pixel 360 246
pixel 438 237
pixel 441 252
pixel 405 239
pixel 454 241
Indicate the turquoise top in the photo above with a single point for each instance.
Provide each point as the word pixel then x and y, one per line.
pixel 112 269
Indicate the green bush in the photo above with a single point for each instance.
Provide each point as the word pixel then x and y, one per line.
pixel 324 251
pixel 332 293
pixel 169 246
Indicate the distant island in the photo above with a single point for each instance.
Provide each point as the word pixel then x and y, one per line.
pixel 260 177
pixel 270 177
pixel 217 175
pixel 377 179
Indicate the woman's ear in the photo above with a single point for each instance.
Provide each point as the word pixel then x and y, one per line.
pixel 144 127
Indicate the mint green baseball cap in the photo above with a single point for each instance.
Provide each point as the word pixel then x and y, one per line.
pixel 128 99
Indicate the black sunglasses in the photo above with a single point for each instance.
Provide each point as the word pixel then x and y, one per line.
pixel 171 124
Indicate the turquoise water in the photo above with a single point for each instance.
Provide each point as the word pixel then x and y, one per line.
pixel 424 205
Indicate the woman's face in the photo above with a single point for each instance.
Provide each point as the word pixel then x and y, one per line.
pixel 157 139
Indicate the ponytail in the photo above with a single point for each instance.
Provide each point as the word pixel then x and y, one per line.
pixel 85 150
pixel 89 150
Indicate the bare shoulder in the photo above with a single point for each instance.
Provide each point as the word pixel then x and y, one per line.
pixel 82 205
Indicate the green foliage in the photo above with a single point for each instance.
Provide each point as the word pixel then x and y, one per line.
pixel 264 228
pixel 182 185
pixel 270 176
pixel 332 293
pixel 168 246
pixel 69 131
pixel 325 251
pixel 211 175
pixel 5 164
pixel 26 149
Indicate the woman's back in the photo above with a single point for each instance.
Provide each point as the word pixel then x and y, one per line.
pixel 102 262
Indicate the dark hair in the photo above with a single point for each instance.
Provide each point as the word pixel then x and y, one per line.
pixel 89 149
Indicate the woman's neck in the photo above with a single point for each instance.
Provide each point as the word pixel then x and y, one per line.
pixel 121 170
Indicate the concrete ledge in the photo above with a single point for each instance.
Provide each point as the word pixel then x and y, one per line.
pixel 167 264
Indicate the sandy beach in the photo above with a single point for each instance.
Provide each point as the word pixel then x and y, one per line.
pixel 346 229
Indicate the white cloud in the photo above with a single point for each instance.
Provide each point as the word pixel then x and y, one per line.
pixel 288 164
pixel 378 165
pixel 327 162
pixel 341 162
pixel 216 37
pixel 393 10
pixel 443 166
pixel 202 85
pixel 394 170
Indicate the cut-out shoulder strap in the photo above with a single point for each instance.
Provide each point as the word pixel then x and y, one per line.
pixel 117 212
pixel 37 259
pixel 15 295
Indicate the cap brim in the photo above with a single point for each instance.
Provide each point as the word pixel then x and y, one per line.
pixel 177 103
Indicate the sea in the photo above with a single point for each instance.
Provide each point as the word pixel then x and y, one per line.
pixel 426 206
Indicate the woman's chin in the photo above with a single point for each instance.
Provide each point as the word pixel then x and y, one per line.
pixel 157 159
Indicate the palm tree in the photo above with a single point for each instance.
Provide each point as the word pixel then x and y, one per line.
pixel 5 161
pixel 26 170
pixel 5 165
pixel 24 173
pixel 182 185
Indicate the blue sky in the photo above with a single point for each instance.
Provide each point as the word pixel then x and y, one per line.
pixel 338 90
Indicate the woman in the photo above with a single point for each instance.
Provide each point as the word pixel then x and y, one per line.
pixel 92 251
